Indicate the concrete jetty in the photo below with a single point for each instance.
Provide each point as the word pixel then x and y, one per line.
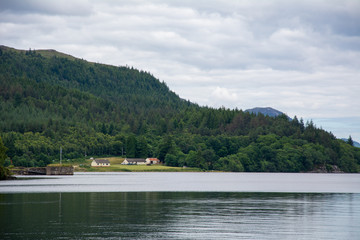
pixel 49 170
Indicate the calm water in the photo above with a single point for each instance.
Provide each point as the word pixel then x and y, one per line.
pixel 182 206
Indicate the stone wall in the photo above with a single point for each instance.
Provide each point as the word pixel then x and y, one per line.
pixel 60 170
pixel 50 170
pixel 28 171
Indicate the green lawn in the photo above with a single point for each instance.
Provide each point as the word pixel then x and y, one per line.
pixel 116 166
pixel 140 168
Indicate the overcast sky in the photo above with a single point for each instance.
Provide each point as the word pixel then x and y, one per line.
pixel 300 57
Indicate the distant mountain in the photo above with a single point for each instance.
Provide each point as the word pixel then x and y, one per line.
pixel 267 111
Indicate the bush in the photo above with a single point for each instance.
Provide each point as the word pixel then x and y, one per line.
pixel 4 173
pixel 170 160
pixel 230 163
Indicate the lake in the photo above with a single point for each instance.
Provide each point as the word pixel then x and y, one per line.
pixel 181 206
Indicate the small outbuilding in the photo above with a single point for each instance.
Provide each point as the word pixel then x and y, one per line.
pixel 100 163
pixel 152 161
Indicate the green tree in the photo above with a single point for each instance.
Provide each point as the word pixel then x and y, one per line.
pixel 3 150
pixel 170 160
pixel 195 159
pixel 166 146
pixel 229 163
pixel 209 157
pixel 4 172
pixel 131 146
pixel 350 141
pixel 142 148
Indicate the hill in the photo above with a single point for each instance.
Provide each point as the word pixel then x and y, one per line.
pixel 50 100
pixel 267 111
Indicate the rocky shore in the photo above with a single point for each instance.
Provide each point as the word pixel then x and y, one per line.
pixel 327 169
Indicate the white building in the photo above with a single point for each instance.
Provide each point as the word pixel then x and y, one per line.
pixel 134 161
pixel 140 161
pixel 100 163
pixel 152 161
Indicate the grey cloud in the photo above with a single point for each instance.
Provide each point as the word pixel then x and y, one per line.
pixel 209 40
pixel 64 7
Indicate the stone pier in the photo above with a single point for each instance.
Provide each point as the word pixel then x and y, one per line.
pixel 57 170
pixel 49 170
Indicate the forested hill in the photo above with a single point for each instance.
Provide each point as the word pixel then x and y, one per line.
pixel 49 99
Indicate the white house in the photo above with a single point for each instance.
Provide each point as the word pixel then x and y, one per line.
pixel 134 161
pixel 140 161
pixel 100 163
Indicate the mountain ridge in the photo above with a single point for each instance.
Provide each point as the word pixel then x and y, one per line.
pixel 52 100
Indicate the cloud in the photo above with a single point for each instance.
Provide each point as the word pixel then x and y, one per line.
pixel 64 7
pixel 300 57
pixel 224 94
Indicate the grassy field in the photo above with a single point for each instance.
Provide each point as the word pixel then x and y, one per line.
pixel 115 166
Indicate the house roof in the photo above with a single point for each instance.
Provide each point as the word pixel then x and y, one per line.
pixel 135 160
pixel 102 161
pixel 153 159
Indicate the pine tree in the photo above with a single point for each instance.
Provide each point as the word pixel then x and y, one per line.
pixel 131 146
pixel 350 141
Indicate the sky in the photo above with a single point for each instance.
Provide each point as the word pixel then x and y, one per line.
pixel 299 57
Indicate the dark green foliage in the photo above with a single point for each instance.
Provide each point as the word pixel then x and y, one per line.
pixel 3 150
pixel 350 141
pixel 142 148
pixel 4 172
pixel 131 146
pixel 195 159
pixel 170 160
pixel 49 99
pixel 230 163
pixel 166 146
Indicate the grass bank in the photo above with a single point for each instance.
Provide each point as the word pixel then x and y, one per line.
pixel 60 165
pixel 115 166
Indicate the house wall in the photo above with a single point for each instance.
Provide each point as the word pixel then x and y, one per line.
pixel 147 161
pixel 94 164
pixel 141 163
pixel 126 162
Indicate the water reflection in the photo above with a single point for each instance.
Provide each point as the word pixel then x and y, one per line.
pixel 186 182
pixel 179 215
